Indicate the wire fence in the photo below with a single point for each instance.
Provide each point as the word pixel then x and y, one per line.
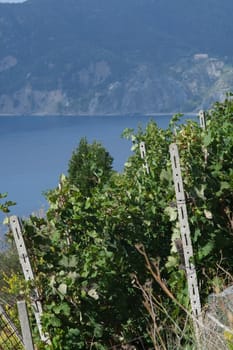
pixel 10 339
pixel 218 324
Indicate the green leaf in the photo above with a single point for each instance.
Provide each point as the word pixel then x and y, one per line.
pixel 87 203
pixel 6 221
pixel 166 175
pixel 62 288
pixel 200 191
pixel 55 322
pixel 225 185
pixel 207 140
pixel 206 250
pixel 73 261
pixel 10 203
pixel 172 262
pixel 171 212
pixel 197 234
pixel 68 261
pixel 65 309
pixel 98 331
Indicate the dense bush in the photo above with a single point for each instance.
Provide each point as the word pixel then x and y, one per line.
pixel 97 290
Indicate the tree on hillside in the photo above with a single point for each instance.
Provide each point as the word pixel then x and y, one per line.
pixel 89 166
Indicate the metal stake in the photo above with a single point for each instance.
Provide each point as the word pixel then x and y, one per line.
pixel 202 119
pixel 25 325
pixel 28 274
pixel 185 236
pixel 143 156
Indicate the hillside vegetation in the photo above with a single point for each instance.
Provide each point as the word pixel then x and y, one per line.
pixel 106 56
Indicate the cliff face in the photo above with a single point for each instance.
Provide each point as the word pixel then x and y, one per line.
pixel 86 57
pixel 189 85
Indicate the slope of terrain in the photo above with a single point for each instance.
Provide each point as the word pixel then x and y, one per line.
pixel 107 56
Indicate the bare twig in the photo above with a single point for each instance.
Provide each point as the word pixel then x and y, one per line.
pixel 153 268
pixel 225 271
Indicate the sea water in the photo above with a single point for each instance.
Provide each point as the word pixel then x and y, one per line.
pixel 35 151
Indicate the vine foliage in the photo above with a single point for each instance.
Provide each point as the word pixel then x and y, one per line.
pixel 85 252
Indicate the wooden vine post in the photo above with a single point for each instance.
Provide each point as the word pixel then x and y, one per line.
pixel 186 240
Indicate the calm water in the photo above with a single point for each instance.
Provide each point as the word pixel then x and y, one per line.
pixel 36 150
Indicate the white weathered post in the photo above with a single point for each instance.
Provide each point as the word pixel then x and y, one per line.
pixel 202 119
pixel 25 325
pixel 142 147
pixel 28 274
pixel 186 239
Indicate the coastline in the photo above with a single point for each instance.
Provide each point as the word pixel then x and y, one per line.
pixel 152 114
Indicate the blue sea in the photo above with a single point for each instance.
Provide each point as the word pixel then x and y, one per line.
pixel 35 151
